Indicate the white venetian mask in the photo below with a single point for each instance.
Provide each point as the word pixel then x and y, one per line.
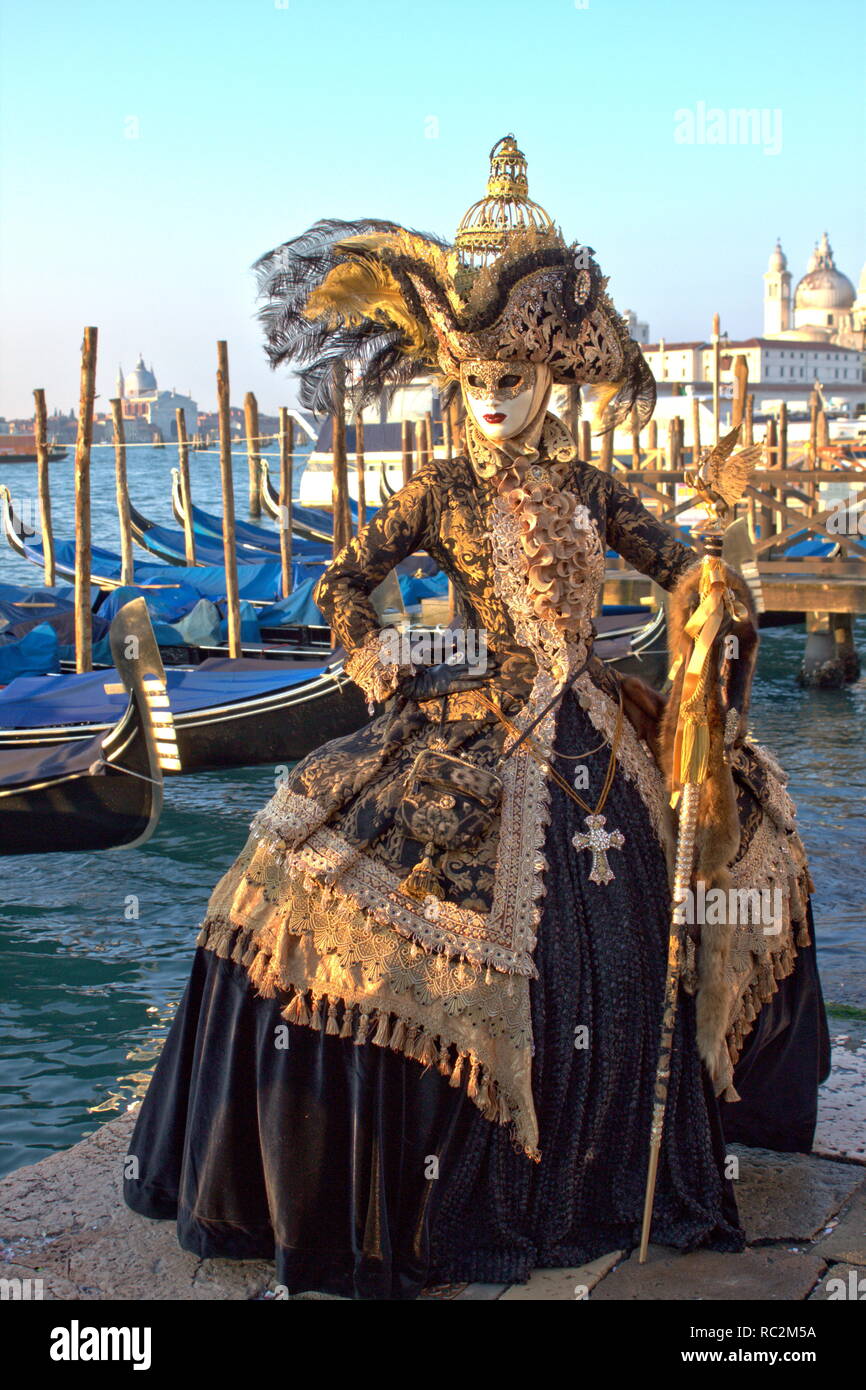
pixel 498 395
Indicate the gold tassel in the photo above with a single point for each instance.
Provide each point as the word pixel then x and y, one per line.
pixel 427 1052
pixel 445 1059
pixel 346 1027
pixel 380 1037
pixel 694 751
pixel 457 1073
pixel 423 880
pixel 398 1037
pixel 331 1025
pixel 297 1011
pixel 258 972
pixel 361 1035
pixel 316 1018
pixel 472 1084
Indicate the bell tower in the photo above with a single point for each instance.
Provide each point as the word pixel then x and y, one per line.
pixel 777 293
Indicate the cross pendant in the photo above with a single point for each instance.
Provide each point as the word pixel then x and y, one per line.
pixel 598 841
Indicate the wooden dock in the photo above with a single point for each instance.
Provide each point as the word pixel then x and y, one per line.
pixel 783 506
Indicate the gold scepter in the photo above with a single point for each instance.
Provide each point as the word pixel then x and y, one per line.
pixel 719 482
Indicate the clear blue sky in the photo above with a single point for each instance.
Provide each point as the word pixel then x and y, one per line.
pixel 255 118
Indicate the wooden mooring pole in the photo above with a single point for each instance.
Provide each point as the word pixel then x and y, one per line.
pixel 605 460
pixel 671 449
pixel 696 432
pixel 340 483
pixel 233 607
pixel 739 390
pixel 83 617
pixel 717 377
pixel 361 471
pixel 121 488
pixel 812 463
pixel 420 443
pixel 765 515
pixel 185 486
pixel 458 442
pixel 585 441
pixel 406 450
pixel 287 445
pixel 251 425
pixel 40 426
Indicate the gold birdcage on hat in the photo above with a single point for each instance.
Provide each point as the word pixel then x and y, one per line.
pixel 506 207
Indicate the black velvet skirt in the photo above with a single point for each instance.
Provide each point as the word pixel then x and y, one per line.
pixel 363 1175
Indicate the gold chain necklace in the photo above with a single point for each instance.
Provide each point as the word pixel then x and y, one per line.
pixel 596 839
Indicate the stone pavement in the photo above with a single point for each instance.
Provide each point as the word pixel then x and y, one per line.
pixel 62 1221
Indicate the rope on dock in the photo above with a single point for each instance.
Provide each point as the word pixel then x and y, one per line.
pixel 173 444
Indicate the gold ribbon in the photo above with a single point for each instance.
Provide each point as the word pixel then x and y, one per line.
pixel 692 738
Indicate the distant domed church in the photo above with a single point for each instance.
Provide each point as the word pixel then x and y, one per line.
pixel 825 307
pixel 150 413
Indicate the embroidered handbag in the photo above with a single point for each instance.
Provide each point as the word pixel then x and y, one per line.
pixel 447 804
pixel 448 801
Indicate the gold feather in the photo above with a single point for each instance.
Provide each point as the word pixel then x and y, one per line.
pixel 357 290
pixel 598 397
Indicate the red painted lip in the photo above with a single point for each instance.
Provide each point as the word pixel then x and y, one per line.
pixel 494 419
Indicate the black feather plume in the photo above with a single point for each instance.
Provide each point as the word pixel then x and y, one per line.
pixel 374 352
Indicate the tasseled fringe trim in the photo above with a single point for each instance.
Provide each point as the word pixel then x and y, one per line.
pixel 364 1023
pixel 455 938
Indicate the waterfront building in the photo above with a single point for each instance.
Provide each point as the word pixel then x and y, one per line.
pixel 824 307
pixel 149 413
pixel 814 337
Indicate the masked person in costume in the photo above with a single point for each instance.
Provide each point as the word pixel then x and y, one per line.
pixel 420 1037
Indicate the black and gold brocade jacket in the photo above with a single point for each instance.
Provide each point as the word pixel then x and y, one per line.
pixel 445 510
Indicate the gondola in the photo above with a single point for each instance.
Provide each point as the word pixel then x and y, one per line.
pixel 170 545
pixel 249 538
pixel 251 541
pixel 385 488
pixel 239 713
pixel 634 643
pixel 227 713
pixel 306 521
pixel 259 583
pixel 37 630
pixel 209 526
pixel 102 790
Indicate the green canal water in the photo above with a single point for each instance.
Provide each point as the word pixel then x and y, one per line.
pixel 95 949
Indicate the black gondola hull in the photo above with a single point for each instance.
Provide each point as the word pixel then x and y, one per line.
pixel 94 789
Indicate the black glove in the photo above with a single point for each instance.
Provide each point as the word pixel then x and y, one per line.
pixel 432 682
